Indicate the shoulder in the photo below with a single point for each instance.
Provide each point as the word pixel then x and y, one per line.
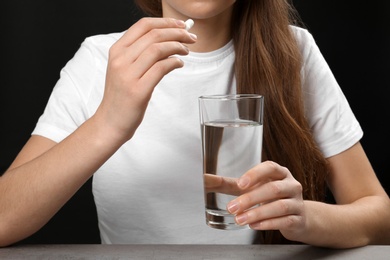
pixel 101 42
pixel 305 40
pixel 310 52
pixel 302 35
pixel 93 51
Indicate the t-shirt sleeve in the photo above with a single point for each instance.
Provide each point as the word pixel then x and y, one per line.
pixel 330 116
pixel 67 107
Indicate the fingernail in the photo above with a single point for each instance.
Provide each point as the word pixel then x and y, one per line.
pixel 185 48
pixel 180 23
pixel 193 36
pixel 233 207
pixel 243 182
pixel 241 219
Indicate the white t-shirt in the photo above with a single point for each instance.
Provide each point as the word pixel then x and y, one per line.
pixel 150 190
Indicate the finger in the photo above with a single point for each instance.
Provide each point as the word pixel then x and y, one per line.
pixel 214 183
pixel 272 210
pixel 266 193
pixel 146 24
pixel 263 173
pixel 290 222
pixel 152 67
pixel 262 194
pixel 157 36
pixel 154 53
pixel 153 76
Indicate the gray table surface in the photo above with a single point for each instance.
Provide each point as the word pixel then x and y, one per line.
pixel 226 252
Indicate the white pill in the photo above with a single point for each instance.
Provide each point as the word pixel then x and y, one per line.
pixel 189 23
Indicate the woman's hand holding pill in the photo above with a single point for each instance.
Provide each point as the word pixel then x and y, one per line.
pixel 137 62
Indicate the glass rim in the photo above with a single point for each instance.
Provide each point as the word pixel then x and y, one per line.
pixel 230 96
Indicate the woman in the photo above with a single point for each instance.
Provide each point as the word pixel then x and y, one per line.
pixel 125 112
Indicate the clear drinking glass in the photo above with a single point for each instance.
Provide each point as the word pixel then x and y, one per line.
pixel 232 137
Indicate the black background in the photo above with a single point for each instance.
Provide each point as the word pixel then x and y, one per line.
pixel 40 36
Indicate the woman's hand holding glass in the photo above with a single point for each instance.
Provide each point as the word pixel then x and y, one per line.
pixel 272 187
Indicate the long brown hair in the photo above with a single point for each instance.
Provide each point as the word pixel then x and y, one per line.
pixel 268 62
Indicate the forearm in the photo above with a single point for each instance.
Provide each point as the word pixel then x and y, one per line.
pixel 363 222
pixel 31 193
